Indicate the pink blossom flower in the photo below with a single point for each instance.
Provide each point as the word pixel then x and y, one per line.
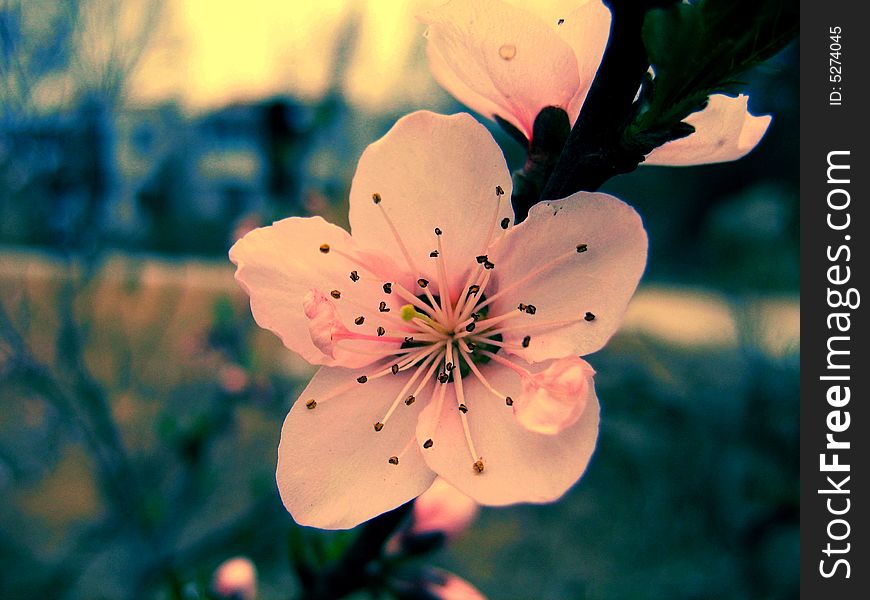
pixel 433 320
pixel 443 508
pixel 452 587
pixel 512 59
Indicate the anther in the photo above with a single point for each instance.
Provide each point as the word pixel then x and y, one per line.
pixel 488 265
pixel 422 282
pixel 376 198
pixel 388 288
pixel 362 379
pixel 560 21
pixel 509 401
pixel 470 327
pixel 359 320
pixel 526 341
pixel 463 409
pixel 433 254
pixel 589 316
pixel 410 400
pixel 472 346
pixel 324 248
pixel 443 377
pixel 394 369
pixel 475 316
pixel 428 444
pixel 505 223
pixel 311 404
pixel 530 309
pixel 521 307
pixel 448 367
pixel 383 307
pixel 335 294
pixel 379 426
pixel 354 276
pixel 394 460
pixel 481 259
pixel 499 191
pixel 438 231
pixel 478 466
pixel 409 340
pixel 582 247
pixel 381 331
pixel 474 289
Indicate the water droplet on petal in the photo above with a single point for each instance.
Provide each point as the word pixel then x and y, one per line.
pixel 507 51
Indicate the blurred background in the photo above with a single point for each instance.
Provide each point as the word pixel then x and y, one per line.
pixel 140 407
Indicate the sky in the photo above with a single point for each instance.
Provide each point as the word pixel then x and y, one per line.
pixel 206 53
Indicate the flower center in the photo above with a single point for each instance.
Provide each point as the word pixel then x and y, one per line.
pixel 441 338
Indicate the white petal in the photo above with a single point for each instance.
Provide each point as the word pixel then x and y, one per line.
pixel 333 467
pixel 586 29
pixel 500 59
pixel 724 131
pixel 519 465
pixel 431 171
pixel 569 284
pixel 279 265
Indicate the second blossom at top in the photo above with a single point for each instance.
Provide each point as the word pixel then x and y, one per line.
pixel 513 59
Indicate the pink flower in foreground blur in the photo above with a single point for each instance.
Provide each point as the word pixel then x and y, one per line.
pixel 431 319
pixel 452 587
pixel 235 578
pixel 514 58
pixel 443 508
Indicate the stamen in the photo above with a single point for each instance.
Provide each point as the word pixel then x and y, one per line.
pixel 443 288
pixel 376 198
pixel 505 223
pixel 582 248
pixel 460 398
pixel 478 466
pixel 311 404
pixel 429 364
pixel 507 363
pixel 527 277
pixel 362 379
pixel 481 326
pixel 394 460
pixel 428 443
pixel 354 276
pixel 388 288
pixel 324 248
pixel 379 426
pixel 589 316
pixel 359 320
pixel 335 294
pixel 382 307
pixel 526 341
pixel 467 357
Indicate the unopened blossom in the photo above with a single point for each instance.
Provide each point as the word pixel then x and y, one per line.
pixel 512 58
pixel 443 508
pixel 235 578
pixel 432 320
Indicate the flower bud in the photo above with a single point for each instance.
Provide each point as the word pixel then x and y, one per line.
pixel 447 586
pixel 235 579
pixel 443 508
